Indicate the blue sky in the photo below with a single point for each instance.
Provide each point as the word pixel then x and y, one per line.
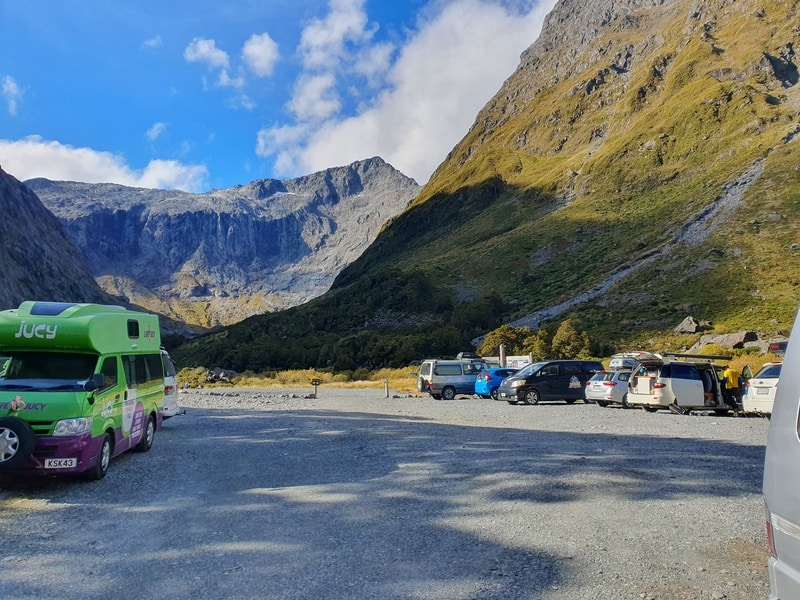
pixel 210 94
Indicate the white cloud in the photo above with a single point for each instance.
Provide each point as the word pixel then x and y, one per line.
pixel 11 93
pixel 260 53
pixel 453 64
pixel 34 157
pixel 323 42
pixel 153 42
pixel 206 51
pixel 155 131
pixel 315 98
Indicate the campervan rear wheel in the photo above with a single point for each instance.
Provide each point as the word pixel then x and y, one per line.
pixel 99 470
pixel 448 393
pixel 17 441
pixel 147 438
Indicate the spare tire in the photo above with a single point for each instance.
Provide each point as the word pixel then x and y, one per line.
pixel 17 441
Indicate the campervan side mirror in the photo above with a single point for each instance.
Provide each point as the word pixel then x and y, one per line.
pixel 95 383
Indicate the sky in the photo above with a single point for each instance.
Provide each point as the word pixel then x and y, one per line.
pixel 210 94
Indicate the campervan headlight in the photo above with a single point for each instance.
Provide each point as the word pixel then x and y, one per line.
pixel 67 427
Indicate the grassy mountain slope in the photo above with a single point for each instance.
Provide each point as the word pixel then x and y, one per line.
pixel 659 142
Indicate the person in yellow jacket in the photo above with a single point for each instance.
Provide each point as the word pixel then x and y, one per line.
pixel 731 390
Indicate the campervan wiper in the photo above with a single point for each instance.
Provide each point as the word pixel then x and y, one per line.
pixel 17 386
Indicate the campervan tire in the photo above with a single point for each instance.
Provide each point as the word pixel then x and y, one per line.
pixel 17 441
pixel 149 435
pixel 99 470
pixel 448 393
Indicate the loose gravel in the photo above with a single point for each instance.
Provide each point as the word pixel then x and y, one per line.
pixel 356 495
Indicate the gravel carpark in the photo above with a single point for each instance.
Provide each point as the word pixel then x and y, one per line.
pixel 354 495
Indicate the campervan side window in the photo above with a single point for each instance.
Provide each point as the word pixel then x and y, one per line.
pixel 133 328
pixel 684 371
pixel 50 365
pixel 142 368
pixel 109 372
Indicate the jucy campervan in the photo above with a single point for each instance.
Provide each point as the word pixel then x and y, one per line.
pixel 79 384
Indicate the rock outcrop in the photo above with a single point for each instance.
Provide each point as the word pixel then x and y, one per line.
pixel 37 259
pixel 216 258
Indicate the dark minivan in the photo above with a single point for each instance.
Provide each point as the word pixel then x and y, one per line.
pixel 549 380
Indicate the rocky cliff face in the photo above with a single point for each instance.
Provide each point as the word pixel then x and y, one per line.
pixel 37 259
pixel 216 258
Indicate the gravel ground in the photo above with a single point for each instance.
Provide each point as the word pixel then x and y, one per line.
pixel 353 495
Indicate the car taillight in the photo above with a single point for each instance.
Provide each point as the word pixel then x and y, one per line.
pixel 659 385
pixel 488 377
pixel 770 539
pixel 610 383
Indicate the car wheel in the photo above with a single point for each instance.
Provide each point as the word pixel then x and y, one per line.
pixel 601 403
pixel 148 436
pixel 448 393
pixel 625 401
pixel 99 470
pixel 531 397
pixel 17 442
pixel 495 394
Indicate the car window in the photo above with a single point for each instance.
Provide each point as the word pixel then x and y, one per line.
pixel 549 370
pixel 571 368
pixel 623 376
pixel 769 371
pixel 447 370
pixel 598 377
pixel 683 371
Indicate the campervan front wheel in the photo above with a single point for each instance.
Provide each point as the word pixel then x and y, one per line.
pixel 99 470
pixel 17 441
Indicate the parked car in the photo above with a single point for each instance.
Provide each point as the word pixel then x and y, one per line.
pixel 489 380
pixel 608 387
pixel 760 390
pixel 171 407
pixel 549 380
pixel 445 379
pixel 782 479
pixel 679 382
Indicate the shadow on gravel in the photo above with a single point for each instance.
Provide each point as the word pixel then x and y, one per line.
pixel 325 504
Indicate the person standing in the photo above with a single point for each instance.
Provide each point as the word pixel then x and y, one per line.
pixel 731 390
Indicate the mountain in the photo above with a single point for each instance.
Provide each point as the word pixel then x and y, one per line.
pixel 37 259
pixel 639 166
pixel 216 258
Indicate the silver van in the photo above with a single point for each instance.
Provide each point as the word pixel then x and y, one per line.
pixel 444 379
pixel 782 479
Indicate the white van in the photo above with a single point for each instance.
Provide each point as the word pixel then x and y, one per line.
pixel 678 382
pixel 171 407
pixel 782 479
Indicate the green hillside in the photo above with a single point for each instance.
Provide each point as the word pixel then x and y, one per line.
pixel 665 146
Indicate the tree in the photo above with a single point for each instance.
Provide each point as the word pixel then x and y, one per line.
pixel 568 342
pixel 512 338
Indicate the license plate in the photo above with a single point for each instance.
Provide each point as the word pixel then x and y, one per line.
pixel 60 463
pixel 762 390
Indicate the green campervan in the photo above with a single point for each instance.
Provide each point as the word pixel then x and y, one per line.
pixel 79 384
